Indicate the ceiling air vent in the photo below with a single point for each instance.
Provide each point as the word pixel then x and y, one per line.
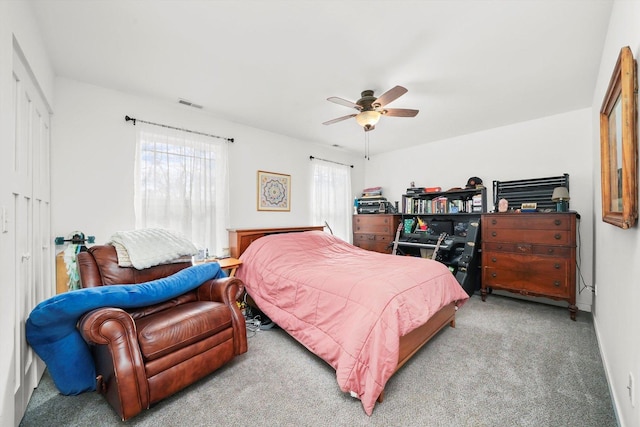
pixel 188 103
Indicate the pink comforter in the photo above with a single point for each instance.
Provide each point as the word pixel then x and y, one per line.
pixel 347 305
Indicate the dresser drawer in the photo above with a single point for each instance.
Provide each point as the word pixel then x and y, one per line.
pixel 372 238
pixel 533 221
pixel 547 237
pixel 528 248
pixel 527 274
pixel 372 242
pixel 373 224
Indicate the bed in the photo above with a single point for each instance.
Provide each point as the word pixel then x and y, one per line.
pixel 364 313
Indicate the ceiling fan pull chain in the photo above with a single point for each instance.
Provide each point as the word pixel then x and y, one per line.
pixel 366 146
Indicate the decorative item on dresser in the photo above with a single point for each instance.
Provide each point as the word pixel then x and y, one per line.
pixel 532 254
pixel 375 232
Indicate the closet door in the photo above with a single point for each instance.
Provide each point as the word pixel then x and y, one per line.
pixel 30 228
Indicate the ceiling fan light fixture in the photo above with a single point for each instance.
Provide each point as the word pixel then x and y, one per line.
pixel 368 118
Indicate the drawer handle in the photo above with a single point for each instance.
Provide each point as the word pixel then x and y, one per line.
pixel 494 259
pixel 556 266
pixel 557 222
pixel 556 283
pixel 558 236
pixel 494 221
pixel 494 275
pixel 494 234
pixel 551 250
pixel 499 246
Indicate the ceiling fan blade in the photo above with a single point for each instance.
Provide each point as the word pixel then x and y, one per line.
pixel 344 102
pixel 389 96
pixel 399 112
pixel 339 119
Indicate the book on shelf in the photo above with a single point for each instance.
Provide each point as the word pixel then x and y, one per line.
pixel 423 190
pixel 439 205
pixel 477 203
pixel 416 190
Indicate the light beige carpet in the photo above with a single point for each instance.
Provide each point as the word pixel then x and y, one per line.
pixel 508 362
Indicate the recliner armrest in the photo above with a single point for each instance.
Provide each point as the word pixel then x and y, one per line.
pixel 112 334
pixel 228 290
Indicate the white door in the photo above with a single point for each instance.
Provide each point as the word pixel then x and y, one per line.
pixel 30 227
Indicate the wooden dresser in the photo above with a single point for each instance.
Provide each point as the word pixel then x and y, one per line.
pixel 531 254
pixel 375 232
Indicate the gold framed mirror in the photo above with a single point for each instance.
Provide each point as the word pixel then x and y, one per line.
pixel 619 144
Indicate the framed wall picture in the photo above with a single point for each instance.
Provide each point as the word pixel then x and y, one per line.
pixel 274 191
pixel 619 145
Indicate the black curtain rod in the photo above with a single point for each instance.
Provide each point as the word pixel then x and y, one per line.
pixel 330 161
pixel 134 120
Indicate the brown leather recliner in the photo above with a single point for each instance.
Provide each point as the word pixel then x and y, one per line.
pixel 146 354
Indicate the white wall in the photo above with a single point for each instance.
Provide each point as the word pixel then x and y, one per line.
pixel 617 313
pixel 16 26
pixel 545 147
pixel 93 158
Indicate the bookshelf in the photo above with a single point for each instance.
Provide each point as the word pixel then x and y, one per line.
pixel 426 216
pixel 469 200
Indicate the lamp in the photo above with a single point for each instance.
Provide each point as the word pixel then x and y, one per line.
pixel 368 119
pixel 561 197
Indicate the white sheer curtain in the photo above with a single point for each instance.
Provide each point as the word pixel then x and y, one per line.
pixel 331 197
pixel 181 184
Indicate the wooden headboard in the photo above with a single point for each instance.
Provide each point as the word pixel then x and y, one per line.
pixel 241 238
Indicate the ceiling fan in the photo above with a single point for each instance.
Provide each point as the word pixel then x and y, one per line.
pixel 371 108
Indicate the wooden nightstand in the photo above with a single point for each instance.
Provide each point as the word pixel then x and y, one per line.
pixel 230 264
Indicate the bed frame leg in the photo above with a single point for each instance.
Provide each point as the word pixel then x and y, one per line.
pixel 453 323
pixel 381 397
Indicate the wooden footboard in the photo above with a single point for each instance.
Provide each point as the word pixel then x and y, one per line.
pixel 414 340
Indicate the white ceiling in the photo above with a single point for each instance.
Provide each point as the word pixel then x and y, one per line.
pixel 469 65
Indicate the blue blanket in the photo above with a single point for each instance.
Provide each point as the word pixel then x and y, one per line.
pixel 51 326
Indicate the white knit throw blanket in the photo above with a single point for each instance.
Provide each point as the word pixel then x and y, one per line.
pixel 150 246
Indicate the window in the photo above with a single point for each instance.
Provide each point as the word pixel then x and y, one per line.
pixel 331 198
pixel 181 184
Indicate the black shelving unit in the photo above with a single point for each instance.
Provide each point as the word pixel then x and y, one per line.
pixel 468 200
pixel 455 214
